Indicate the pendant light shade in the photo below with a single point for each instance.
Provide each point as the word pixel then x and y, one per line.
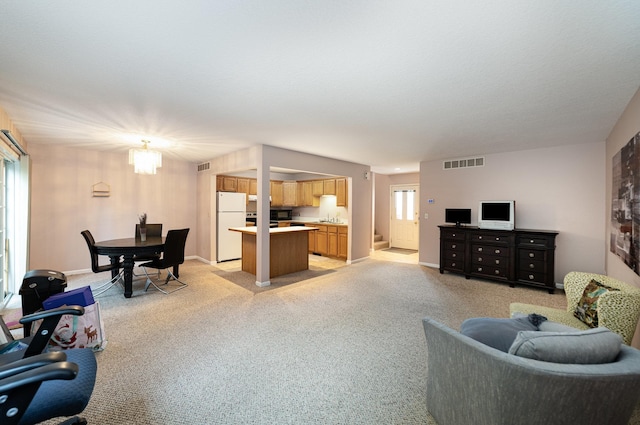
pixel 145 160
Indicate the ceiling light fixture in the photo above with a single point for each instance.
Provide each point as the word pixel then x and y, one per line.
pixel 145 161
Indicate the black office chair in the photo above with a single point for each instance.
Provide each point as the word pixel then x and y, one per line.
pixel 37 386
pixel 153 230
pixel 97 268
pixel 172 257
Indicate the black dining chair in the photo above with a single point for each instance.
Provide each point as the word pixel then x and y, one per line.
pixel 97 268
pixel 153 230
pixel 172 257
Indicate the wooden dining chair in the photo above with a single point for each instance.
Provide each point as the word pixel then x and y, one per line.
pixel 97 268
pixel 172 257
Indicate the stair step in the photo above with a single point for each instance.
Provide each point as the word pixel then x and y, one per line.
pixel 377 238
pixel 380 245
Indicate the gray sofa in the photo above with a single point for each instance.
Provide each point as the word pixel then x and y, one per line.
pixel 469 382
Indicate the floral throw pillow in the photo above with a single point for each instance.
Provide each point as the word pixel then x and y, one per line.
pixel 587 308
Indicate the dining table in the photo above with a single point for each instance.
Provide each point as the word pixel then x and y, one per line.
pixel 127 248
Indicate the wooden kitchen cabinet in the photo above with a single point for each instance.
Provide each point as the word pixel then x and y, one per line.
pixel 226 184
pixel 277 193
pixel 312 238
pixel 343 244
pixel 321 240
pixel 329 187
pixel 341 192
pixel 332 241
pixel 290 193
pixel 318 187
pixel 253 186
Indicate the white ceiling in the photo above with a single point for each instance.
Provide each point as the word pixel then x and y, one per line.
pixel 383 83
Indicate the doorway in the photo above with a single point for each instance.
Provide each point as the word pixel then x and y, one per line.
pixel 404 227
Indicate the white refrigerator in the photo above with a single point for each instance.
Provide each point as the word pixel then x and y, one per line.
pixel 231 212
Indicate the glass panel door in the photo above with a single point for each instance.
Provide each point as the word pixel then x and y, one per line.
pixel 404 217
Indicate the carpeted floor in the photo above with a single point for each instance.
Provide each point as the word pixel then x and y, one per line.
pixel 340 347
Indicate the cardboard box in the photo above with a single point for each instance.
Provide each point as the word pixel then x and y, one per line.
pixel 81 296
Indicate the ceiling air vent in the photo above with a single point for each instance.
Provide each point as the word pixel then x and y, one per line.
pixel 463 163
pixel 204 166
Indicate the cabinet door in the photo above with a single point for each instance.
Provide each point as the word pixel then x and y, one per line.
pixel 332 241
pixel 277 194
pixel 312 239
pixel 329 187
pixel 342 242
pixel 341 192
pixel 229 184
pixel 253 186
pixel 289 190
pixel 322 240
pixel 242 185
pixel 318 187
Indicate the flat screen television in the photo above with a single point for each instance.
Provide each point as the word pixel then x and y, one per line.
pixel 499 215
pixel 457 216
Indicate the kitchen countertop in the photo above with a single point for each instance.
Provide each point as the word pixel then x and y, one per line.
pixel 253 229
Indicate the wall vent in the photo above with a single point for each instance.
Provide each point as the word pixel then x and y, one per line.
pixel 452 164
pixel 204 166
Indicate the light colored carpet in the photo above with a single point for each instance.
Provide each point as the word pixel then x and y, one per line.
pixel 345 347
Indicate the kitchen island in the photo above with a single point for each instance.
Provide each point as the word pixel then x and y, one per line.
pixel 288 247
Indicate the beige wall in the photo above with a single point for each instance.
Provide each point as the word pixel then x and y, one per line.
pixel 62 204
pixel 382 184
pixel 559 188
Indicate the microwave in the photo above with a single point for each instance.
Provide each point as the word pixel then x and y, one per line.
pixel 281 214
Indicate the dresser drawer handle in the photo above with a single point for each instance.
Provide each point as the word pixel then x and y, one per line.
pixel 453 264
pixel 479 269
pixel 532 241
pixel 498 238
pixel 497 251
pixel 532 266
pixel 497 261
pixel 480 259
pixel 453 246
pixel 454 255
pixel 479 237
pixel 480 249
pixel 532 255
pixel 497 272
pixel 530 277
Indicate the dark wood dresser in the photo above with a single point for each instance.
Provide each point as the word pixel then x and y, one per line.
pixel 513 256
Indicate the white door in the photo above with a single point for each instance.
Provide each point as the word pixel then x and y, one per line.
pixel 404 229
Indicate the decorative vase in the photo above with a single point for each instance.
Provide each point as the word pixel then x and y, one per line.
pixel 143 234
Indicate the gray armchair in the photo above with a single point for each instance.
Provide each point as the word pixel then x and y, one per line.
pixel 471 383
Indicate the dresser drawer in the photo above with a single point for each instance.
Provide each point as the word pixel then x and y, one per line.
pixel 454 255
pixel 535 240
pixel 453 265
pixel 498 238
pixel 532 266
pixel 453 246
pixel 489 260
pixel 525 255
pixel 489 271
pixel 532 277
pixel 452 234
pixel 489 250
